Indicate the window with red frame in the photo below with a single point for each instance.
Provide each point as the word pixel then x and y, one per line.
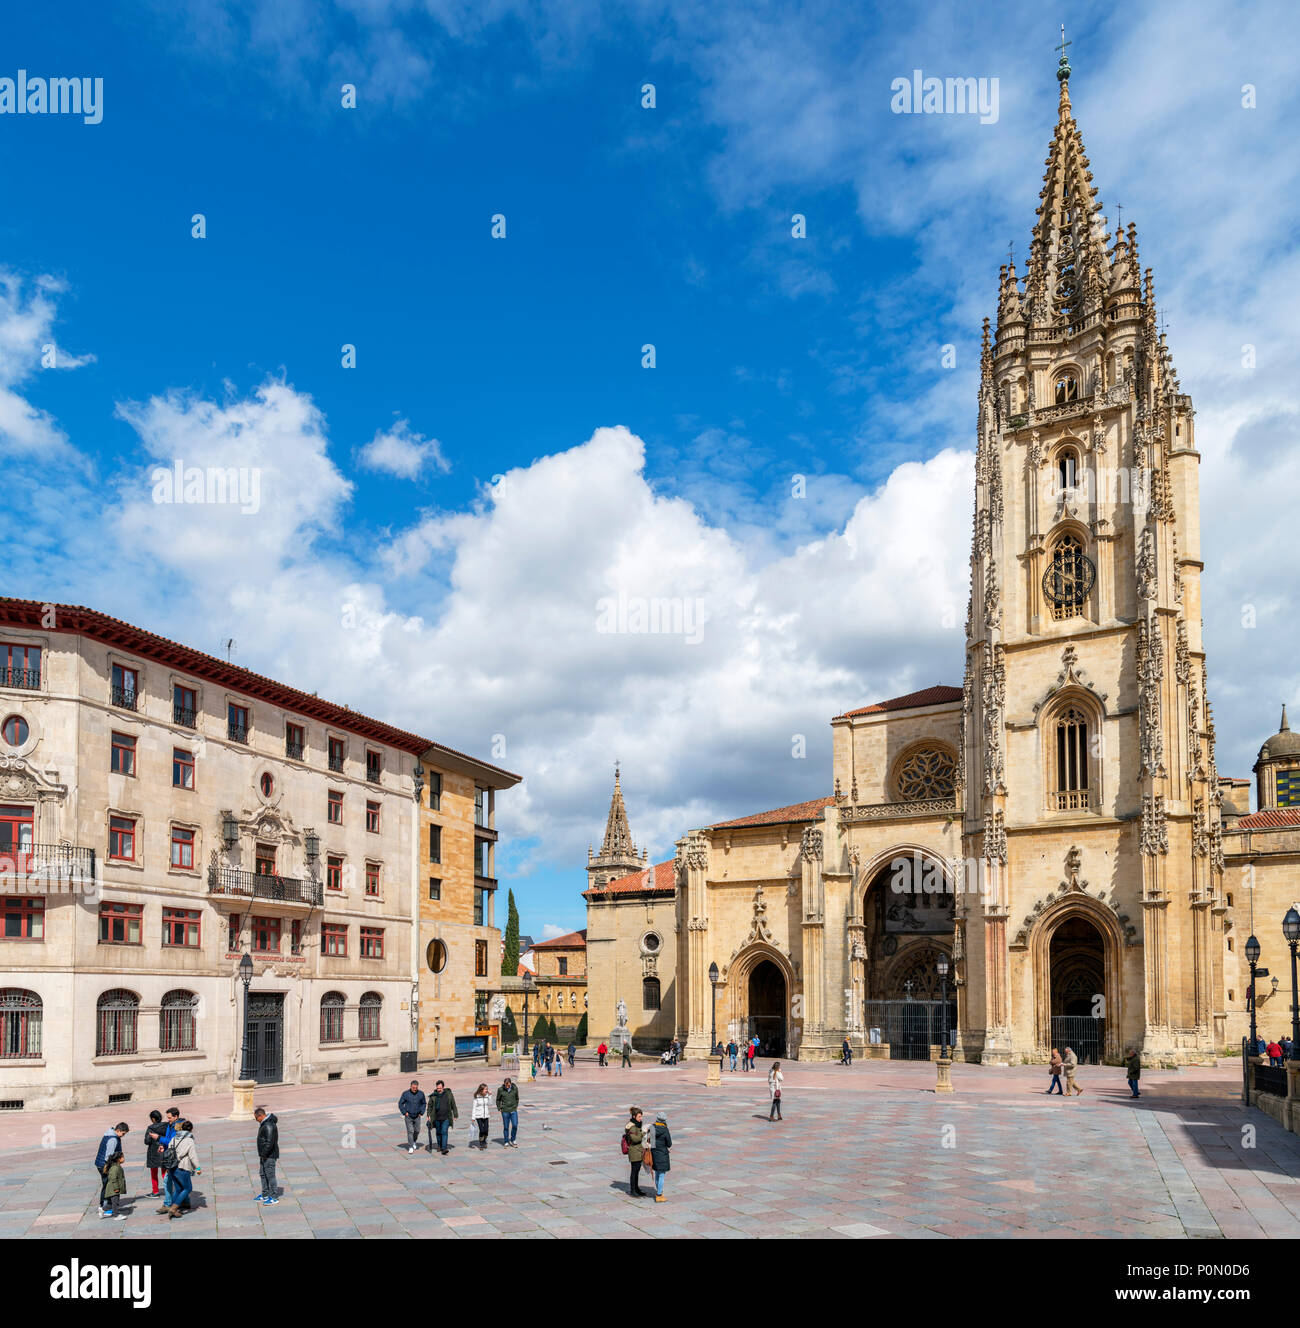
pixel 122 761
pixel 374 766
pixel 119 924
pixel 334 873
pixel 185 704
pixel 480 959
pixel 182 768
pixel 266 935
pixel 22 918
pixel 16 833
pixel 15 731
pixel 121 838
pixel 372 880
pixel 236 722
pixel 182 848
pixel 293 741
pixel 181 928
pixel 336 754
pixel 295 936
pixel 20 666
pixel 334 809
pixel 232 933
pixel 264 860
pixel 372 817
pixel 126 686
pixel 334 939
pixel 372 942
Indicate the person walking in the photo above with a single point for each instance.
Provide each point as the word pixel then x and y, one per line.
pixel 171 1121
pixel 627 1054
pixel 1071 1063
pixel 550 1059
pixel 442 1116
pixel 774 1081
pixel 480 1113
pixel 744 1057
pixel 1134 1071
pixel 107 1155
pixel 634 1147
pixel 154 1148
pixel 559 1064
pixel 660 1142
pixel 186 1153
pixel 412 1104
pixel 601 1052
pixel 846 1053
pixel 1288 1047
pixel 753 1050
pixel 268 1153
pixel 732 1052
pixel 508 1106
pixel 573 1053
pixel 1055 1066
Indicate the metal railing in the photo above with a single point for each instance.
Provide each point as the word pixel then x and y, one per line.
pixel 27 678
pixel 909 1028
pixel 126 698
pixel 60 862
pixel 1271 1079
pixel 336 764
pixel 237 732
pixel 183 715
pixel 293 750
pixel 258 885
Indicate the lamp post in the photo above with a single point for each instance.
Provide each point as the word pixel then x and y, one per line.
pixel 242 1106
pixel 1291 930
pixel 713 1027
pixel 528 988
pixel 1252 958
pixel 942 968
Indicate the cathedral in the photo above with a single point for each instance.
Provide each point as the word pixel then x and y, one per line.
pixel 1047 853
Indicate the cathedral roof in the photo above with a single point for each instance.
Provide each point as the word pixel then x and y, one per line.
pixel 1282 743
pixel 570 941
pixel 1276 818
pixel 927 696
pixel 796 811
pixel 659 879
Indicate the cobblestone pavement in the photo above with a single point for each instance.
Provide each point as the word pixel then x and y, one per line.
pixel 864 1151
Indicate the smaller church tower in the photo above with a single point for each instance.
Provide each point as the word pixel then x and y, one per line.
pixel 1277 771
pixel 618 855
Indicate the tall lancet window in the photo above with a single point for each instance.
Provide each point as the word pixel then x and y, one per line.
pixel 1067 468
pixel 1067 388
pixel 1072 761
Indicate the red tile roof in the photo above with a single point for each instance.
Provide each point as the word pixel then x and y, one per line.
pixel 796 811
pixel 927 696
pixel 571 941
pixel 663 881
pixel 1277 818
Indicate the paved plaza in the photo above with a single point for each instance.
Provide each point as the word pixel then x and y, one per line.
pixel 866 1151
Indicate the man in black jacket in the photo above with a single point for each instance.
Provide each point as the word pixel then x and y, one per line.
pixel 268 1150
pixel 411 1105
pixel 442 1115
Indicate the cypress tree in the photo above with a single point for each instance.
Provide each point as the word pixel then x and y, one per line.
pixel 510 958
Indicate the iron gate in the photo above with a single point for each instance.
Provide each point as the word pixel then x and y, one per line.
pixel 910 1028
pixel 266 1036
pixel 1085 1035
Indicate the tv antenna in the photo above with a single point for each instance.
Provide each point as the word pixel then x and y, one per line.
pixel 228 645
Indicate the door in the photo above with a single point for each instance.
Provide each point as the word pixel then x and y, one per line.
pixel 266 1036
pixel 15 837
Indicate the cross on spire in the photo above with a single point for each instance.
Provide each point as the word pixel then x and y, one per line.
pixel 1063 68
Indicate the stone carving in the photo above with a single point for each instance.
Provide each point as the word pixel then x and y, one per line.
pixel 1155 834
pixel 1146 566
pixel 994 698
pixel 1200 833
pixel 1099 435
pixel 1150 672
pixel 992 597
pixel 1182 659
pixel 810 850
pixel 995 837
pixel 1071 675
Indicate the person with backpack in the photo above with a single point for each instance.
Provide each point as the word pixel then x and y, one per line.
pixel 633 1144
pixel 508 1106
pixel 442 1115
pixel 660 1142
pixel 732 1052
pixel 573 1053
pixel 774 1081
pixel 154 1148
pixel 183 1154
pixel 268 1152
pixel 411 1104
pixel 480 1112
pixel 108 1156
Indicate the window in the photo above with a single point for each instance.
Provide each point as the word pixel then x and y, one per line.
pixel 372 818
pixel 1287 788
pixel 334 939
pixel 1066 388
pixel 264 859
pixel 483 858
pixel 564 966
pixel 22 918
pixel 122 760
pixel 125 687
pixel 336 754
pixel 435 843
pixel 232 933
pixel 121 838
pixel 480 1009
pixel 334 873
pixel 480 806
pixel 331 1016
pixel 372 880
pixel 266 935
pixel 118 1015
pixel 176 1021
pixel 372 1007
pixel 20 666
pixel 16 731
pixel 295 936
pixel 435 955
pixel 926 771
pixel 435 887
pixel 182 768
pixel 649 993
pixel 372 942
pixel 182 848
pixel 185 706
pixel 334 810
pixel 374 765
pixel 1072 760
pixel 1067 469
pixel 294 741
pixel 119 924
pixel 266 784
pixel 1068 579
pixel 181 928
pixel 435 791
pixel 236 722
pixel 20 1023
pixel 480 906
pixel 15 834
pixel 480 959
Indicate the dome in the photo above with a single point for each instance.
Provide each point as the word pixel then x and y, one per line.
pixel 1282 743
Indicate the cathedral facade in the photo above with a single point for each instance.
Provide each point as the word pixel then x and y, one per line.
pixel 1047 852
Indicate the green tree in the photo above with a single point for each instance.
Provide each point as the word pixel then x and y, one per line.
pixel 540 1031
pixel 581 1035
pixel 509 1029
pixel 510 959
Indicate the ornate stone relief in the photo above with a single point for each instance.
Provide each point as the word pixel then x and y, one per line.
pixel 1073 884
pixel 1071 675
pixel 810 850
pixel 995 837
pixel 1146 566
pixel 1155 834
pixel 1150 672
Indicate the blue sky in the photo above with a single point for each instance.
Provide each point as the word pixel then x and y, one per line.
pixel 387 567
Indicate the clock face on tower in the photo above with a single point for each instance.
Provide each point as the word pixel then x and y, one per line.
pixel 1068 581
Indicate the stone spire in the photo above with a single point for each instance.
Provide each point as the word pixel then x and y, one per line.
pixel 618 855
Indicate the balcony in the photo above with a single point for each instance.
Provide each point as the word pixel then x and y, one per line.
pixel 183 715
pixel 28 679
pixel 125 698
pixel 48 862
pixel 293 750
pixel 336 764
pixel 237 733
pixel 372 774
pixel 233 884
pixel 1072 800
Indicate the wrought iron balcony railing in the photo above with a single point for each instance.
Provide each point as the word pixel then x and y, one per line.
pixel 293 750
pixel 54 862
pixel 26 678
pixel 237 732
pixel 183 715
pixel 127 698
pixel 257 885
pixel 336 764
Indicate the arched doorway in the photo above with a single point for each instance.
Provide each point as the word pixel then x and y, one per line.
pixel 767 1008
pixel 1077 978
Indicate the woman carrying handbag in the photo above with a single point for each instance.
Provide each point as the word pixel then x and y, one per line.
pixel 634 1147
pixel 774 1081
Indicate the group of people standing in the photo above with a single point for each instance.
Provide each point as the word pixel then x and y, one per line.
pixel 545 1055
pixel 734 1051
pixel 1282 1049
pixel 647 1146
pixel 442 1113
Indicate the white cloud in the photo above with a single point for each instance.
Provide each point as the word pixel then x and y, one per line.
pixel 402 452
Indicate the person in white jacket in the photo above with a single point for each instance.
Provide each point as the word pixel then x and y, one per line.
pixel 187 1167
pixel 774 1081
pixel 479 1113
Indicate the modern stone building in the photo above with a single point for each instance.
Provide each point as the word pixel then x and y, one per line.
pixel 562 981
pixel 165 813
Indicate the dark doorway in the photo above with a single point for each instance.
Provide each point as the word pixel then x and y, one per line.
pixel 1078 985
pixel 767 1006
pixel 266 1036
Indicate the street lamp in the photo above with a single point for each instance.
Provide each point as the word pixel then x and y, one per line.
pixel 246 977
pixel 311 846
pixel 229 830
pixel 1291 930
pixel 942 967
pixel 1252 958
pixel 713 1033
pixel 528 987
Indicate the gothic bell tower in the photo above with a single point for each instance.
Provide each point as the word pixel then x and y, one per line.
pixel 618 855
pixel 1089 789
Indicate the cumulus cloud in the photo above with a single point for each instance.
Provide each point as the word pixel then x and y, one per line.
pixel 402 452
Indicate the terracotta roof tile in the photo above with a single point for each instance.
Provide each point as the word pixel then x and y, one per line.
pixel 937 695
pixel 663 881
pixel 796 811
pixel 570 941
pixel 1276 818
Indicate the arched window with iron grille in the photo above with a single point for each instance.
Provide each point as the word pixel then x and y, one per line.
pixel 117 1023
pixel 1068 579
pixel 1071 773
pixel 650 994
pixel 331 1016
pixel 372 1006
pixel 20 1023
pixel 176 1021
